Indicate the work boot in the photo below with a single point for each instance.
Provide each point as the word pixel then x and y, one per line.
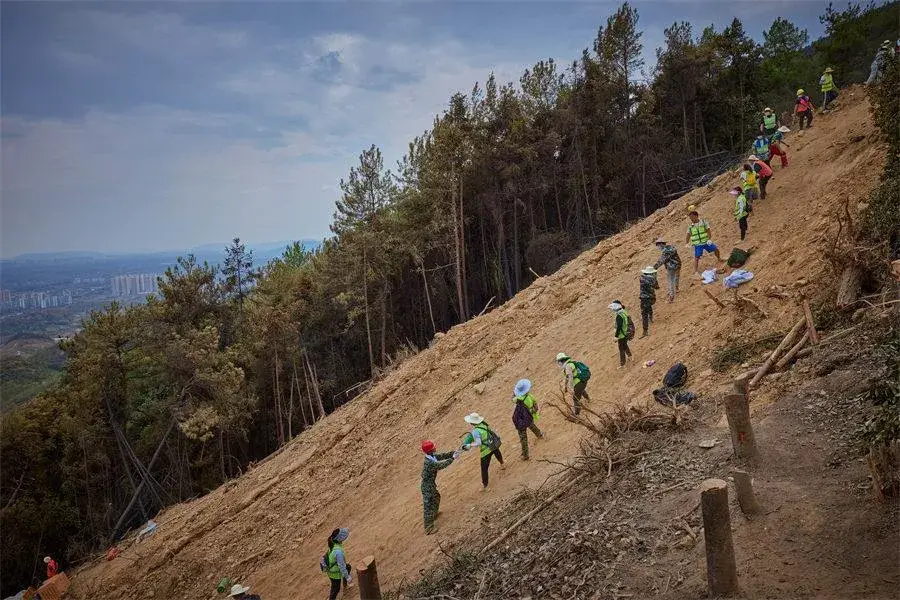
pixel 524 457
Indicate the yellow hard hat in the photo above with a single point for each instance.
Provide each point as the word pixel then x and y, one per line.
pixel 692 208
pixel 800 92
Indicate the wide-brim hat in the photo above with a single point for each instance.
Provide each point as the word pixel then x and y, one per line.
pixel 473 419
pixel 46 559
pixel 238 589
pixel 753 157
pixel 660 241
pixel 734 192
pixel 648 270
pixel 523 386
pixel 615 306
pixel 767 109
pixel 829 70
pixel 562 356
pixel 342 534
pixel 784 129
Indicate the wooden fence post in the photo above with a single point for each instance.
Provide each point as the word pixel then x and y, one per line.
pixel 743 485
pixel 721 571
pixel 369 589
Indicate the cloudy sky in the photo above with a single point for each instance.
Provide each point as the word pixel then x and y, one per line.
pixel 133 126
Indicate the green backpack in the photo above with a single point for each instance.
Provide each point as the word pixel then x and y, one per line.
pixel 582 373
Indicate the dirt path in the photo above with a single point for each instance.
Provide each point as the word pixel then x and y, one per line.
pixel 359 467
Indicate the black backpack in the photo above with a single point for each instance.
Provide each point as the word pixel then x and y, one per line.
pixel 629 329
pixel 493 440
pixel 676 376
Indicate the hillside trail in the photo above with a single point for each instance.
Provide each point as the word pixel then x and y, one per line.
pixel 360 467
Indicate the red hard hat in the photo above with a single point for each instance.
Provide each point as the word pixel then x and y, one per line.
pixel 427 446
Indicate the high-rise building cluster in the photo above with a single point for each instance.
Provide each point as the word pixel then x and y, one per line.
pixel 34 300
pixel 133 285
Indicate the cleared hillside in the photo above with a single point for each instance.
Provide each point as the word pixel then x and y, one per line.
pixel 359 467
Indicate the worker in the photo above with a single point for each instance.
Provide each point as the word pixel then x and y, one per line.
pixel 770 122
pixel 482 435
pixel 829 90
pixel 803 108
pixel 334 563
pixel 669 259
pixel 431 498
pixel 576 375
pixel 776 141
pixel 525 414
pixel 239 592
pixel 742 210
pixel 623 331
pixel 647 295
pixel 750 182
pixel 699 237
pixel 52 567
pixel 761 148
pixel 885 52
pixel 763 173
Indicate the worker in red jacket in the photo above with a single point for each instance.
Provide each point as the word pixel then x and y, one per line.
pixel 52 567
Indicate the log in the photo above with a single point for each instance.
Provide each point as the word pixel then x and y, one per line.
pixel 515 526
pixel 787 341
pixel 743 486
pixel 737 411
pixel 787 358
pixel 367 574
pixel 813 334
pixel 849 286
pixel 721 569
pixel 713 298
pixel 828 339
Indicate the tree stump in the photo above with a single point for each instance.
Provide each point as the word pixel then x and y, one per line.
pixel 369 589
pixel 721 570
pixel 849 286
pixel 737 411
pixel 743 486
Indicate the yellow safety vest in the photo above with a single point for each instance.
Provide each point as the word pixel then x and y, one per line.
pixel 827 82
pixel 699 233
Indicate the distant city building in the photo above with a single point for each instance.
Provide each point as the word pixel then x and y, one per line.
pixel 5 296
pixel 133 285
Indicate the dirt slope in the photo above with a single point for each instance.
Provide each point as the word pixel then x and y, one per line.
pixel 359 468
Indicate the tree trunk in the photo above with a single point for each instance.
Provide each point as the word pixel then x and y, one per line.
pixel 296 381
pixel 428 299
pixel 222 454
pixel 384 356
pixel 279 425
pixel 457 258
pixel 366 307
pixel 743 485
pixel 462 251
pixel 721 570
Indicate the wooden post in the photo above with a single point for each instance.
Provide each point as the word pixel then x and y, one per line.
pixel 786 359
pixel 721 571
pixel 813 334
pixel 743 485
pixel 737 411
pixel 369 589
pixel 787 341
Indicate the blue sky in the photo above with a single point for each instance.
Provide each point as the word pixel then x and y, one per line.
pixel 136 126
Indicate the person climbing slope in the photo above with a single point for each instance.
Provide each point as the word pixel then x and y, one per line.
pixel 775 142
pixel 829 90
pixel 699 236
pixel 483 436
pixel 431 497
pixel 763 173
pixel 52 567
pixel 648 286
pixel 770 122
pixel 803 108
pixel 761 148
pixel 525 414
pixel 334 563
pixel 672 262
pixel 741 210
pixel 575 375
pixel 624 331
pixel 750 182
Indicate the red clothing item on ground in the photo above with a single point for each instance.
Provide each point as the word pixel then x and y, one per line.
pixel 52 568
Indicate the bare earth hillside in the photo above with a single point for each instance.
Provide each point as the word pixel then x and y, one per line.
pixel 359 467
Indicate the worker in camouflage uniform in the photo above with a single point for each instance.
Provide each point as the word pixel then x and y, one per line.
pixel 672 262
pixel 647 295
pixel 431 498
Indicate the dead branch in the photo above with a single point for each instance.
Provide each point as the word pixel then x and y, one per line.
pixel 787 358
pixel 486 306
pixel 713 298
pixel 787 341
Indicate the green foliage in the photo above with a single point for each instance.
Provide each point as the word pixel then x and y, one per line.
pixel 852 37
pixel 883 426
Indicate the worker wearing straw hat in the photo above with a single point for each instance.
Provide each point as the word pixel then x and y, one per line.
pixel 575 375
pixel 239 592
pixel 829 89
pixel 526 414
pixel 648 286
pixel 431 497
pixel 487 439
pixel 770 122
pixel 669 259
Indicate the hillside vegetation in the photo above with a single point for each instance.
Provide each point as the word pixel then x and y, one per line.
pixel 509 184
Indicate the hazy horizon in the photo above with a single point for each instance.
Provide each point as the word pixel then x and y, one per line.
pixel 142 127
